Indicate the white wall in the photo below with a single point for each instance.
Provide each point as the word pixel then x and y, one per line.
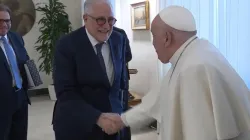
pixel 144 56
pixel 73 8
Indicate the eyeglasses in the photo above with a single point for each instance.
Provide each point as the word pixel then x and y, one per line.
pixel 7 21
pixel 102 20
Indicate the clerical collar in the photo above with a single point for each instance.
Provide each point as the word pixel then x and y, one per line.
pixel 92 40
pixel 177 54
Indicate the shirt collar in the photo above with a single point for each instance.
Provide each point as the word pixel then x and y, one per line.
pixel 173 60
pixel 5 37
pixel 92 39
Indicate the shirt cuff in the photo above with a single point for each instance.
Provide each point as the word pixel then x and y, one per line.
pixel 136 118
pixel 123 117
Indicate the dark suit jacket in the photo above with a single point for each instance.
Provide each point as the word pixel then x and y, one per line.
pixel 82 90
pixel 7 97
pixel 128 54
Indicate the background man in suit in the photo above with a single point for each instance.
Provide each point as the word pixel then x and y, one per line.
pixel 128 57
pixel 128 54
pixel 13 84
pixel 88 75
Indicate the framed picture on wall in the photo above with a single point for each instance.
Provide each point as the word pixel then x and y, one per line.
pixel 140 16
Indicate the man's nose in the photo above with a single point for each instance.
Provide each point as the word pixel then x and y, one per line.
pixel 106 25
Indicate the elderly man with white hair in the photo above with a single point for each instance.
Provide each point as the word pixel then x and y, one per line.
pixel 90 78
pixel 201 97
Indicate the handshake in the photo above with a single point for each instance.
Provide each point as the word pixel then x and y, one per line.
pixel 110 123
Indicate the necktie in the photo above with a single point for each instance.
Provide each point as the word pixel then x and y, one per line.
pixel 99 55
pixel 13 63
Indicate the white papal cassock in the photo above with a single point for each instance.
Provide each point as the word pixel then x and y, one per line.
pixel 201 98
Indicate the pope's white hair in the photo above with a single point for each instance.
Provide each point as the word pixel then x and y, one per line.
pixel 88 5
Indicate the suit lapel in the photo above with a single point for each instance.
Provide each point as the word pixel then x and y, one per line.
pixel 3 57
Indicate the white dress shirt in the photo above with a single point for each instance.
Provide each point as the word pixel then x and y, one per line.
pixel 106 56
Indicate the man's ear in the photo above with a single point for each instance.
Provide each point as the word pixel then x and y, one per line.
pixel 168 39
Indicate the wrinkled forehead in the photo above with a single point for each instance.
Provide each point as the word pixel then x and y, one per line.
pixel 101 9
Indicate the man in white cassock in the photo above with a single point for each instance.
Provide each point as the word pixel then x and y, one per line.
pixel 201 97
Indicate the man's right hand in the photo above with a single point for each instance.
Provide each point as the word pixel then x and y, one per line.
pixel 110 123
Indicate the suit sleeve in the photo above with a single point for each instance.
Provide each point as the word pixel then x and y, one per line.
pixel 128 54
pixel 20 38
pixel 124 77
pixel 73 110
pixel 27 55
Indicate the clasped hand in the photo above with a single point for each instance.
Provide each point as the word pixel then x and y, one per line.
pixel 110 123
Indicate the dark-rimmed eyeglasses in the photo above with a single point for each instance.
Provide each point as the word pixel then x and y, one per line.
pixel 102 20
pixel 7 21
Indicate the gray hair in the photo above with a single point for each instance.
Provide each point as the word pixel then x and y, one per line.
pixel 88 5
pixel 5 8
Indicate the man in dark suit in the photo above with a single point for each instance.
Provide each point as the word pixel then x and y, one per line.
pixel 128 54
pixel 128 57
pixel 13 84
pixel 88 78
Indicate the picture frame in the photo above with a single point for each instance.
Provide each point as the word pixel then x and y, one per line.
pixel 140 16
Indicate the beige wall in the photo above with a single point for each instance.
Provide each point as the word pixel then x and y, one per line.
pixel 73 8
pixel 144 56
